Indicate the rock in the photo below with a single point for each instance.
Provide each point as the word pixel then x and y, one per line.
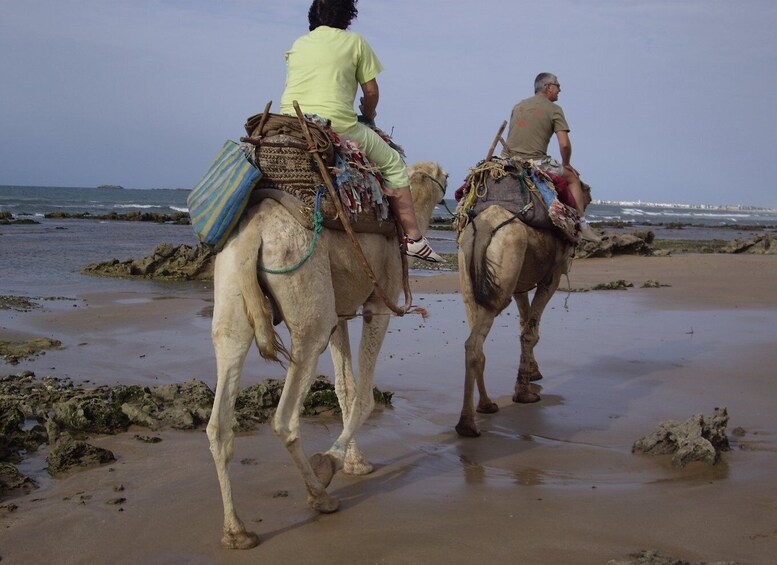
pixel 90 415
pixel 635 243
pixel 13 482
pixel 14 351
pixel 11 434
pixel 613 285
pixel 70 411
pixel 68 453
pixel 186 406
pixel 696 439
pixel 651 557
pixel 19 303
pixel 765 244
pixel 166 262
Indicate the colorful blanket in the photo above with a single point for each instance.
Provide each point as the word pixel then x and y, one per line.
pixel 526 191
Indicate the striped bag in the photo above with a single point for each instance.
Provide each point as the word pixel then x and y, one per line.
pixel 219 199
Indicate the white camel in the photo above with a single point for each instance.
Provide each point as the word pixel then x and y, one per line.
pixel 314 301
pixel 501 258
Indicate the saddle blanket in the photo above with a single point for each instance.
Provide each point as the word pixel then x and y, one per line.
pixel 526 191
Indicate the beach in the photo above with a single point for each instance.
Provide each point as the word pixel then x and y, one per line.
pixel 552 482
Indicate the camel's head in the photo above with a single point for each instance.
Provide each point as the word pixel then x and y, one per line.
pixel 428 182
pixel 430 175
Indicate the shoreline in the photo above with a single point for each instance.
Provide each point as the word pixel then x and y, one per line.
pixel 553 482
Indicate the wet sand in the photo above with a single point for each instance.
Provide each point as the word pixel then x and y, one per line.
pixel 553 482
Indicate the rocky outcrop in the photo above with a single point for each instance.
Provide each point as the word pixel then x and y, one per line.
pixel 14 351
pixel 64 414
pixel 650 557
pixel 13 482
pixel 764 244
pixel 134 216
pixel 635 243
pixel 699 438
pixel 68 453
pixel 168 262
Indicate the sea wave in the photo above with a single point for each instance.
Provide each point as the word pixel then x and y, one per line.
pixel 675 213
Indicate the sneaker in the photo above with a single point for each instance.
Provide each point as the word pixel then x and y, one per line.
pixel 420 249
pixel 587 233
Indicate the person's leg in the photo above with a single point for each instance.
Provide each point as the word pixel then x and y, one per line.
pixel 576 188
pixel 397 184
pixel 401 203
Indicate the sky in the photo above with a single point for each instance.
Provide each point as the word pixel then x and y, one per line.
pixel 668 101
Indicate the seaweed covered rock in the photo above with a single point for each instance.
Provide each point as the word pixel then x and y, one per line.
pixel 184 406
pixel 650 557
pixel 696 439
pixel 14 351
pixel 68 453
pixel 635 243
pixel 167 262
pixel 71 413
pixel 90 414
pixel 764 244
pixel 14 482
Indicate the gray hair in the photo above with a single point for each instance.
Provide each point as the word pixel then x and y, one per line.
pixel 543 80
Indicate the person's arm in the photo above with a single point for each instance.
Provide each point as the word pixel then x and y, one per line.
pixel 565 148
pixel 369 102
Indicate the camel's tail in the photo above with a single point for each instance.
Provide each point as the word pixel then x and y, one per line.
pixel 485 289
pixel 258 308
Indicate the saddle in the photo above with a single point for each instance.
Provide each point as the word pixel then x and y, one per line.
pixel 526 191
pixel 277 146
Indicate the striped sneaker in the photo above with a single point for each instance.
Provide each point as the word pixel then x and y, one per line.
pixel 420 249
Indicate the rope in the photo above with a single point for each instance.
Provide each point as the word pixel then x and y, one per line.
pixel 408 308
pixel 318 226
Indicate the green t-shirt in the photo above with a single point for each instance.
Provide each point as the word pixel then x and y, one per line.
pixel 323 72
pixel 532 123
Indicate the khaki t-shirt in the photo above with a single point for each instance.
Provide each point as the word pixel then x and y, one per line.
pixel 323 71
pixel 532 123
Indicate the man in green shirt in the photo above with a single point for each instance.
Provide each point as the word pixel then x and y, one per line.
pixel 532 123
pixel 324 70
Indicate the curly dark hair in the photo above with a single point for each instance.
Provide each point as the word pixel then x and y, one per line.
pixel 333 13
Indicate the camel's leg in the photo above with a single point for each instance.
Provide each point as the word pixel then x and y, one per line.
pixel 480 321
pixel 309 337
pixel 528 369
pixel 232 335
pixel 345 387
pixel 363 402
pixel 528 364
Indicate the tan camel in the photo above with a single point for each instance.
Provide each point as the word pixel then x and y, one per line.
pixel 315 301
pixel 501 258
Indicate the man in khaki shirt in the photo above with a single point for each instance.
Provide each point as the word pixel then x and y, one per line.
pixel 532 123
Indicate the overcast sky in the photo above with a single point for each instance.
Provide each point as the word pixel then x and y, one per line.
pixel 668 101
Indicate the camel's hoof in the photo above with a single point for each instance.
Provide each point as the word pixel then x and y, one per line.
pixel 488 408
pixel 240 540
pixel 358 468
pixel 526 397
pixel 324 503
pixel 324 466
pixel 465 429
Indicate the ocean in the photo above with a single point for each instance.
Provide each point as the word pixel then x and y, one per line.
pixel 36 201
pixel 32 256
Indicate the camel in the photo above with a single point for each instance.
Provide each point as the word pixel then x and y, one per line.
pixel 501 257
pixel 315 302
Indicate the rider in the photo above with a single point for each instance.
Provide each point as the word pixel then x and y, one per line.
pixel 323 70
pixel 532 123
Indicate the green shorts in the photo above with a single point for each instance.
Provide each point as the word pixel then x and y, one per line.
pixel 390 163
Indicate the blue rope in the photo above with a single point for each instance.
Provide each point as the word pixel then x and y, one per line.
pixel 318 226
